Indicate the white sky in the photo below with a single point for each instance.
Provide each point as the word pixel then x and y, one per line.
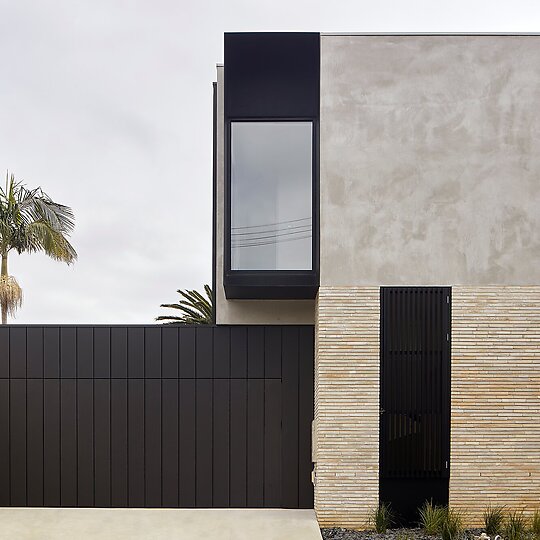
pixel 107 105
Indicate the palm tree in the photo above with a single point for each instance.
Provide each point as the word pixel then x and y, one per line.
pixel 30 221
pixel 195 308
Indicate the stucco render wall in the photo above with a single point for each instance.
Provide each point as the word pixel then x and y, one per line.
pixel 346 428
pixel 430 160
pixel 495 423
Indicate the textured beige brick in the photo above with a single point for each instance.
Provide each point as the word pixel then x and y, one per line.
pixel 495 422
pixel 495 426
pixel 346 429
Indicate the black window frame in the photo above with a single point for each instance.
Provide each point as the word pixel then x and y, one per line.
pixel 272 284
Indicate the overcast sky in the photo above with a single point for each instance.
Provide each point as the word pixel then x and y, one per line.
pixel 107 105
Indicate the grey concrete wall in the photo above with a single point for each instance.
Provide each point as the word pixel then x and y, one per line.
pixel 430 160
pixel 246 311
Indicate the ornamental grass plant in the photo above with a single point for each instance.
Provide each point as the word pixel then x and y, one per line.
pixel 515 526
pixel 451 525
pixel 382 517
pixel 535 525
pixel 431 518
pixel 494 520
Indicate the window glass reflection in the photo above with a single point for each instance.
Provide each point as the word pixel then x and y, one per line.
pixel 271 200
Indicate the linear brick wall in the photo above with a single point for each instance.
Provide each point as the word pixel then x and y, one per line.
pixel 495 437
pixel 346 431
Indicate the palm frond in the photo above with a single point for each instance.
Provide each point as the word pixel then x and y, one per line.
pixel 59 216
pixel 195 307
pixel 170 319
pixel 41 236
pixel 31 221
pixel 193 313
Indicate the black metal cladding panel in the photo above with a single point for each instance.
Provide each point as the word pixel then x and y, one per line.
pixel 272 75
pixel 415 382
pixel 135 416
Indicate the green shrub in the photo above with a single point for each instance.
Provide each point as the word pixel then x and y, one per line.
pixel 382 517
pixel 494 520
pixel 452 525
pixel 535 524
pixel 515 527
pixel 431 518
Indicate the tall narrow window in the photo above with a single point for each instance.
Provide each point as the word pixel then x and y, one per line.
pixel 271 195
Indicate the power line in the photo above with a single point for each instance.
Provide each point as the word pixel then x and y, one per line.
pixel 271 224
pixel 306 227
pixel 291 233
pixel 270 242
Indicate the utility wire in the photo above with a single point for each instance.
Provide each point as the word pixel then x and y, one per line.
pixel 271 224
pixel 269 242
pixel 272 236
pixel 306 227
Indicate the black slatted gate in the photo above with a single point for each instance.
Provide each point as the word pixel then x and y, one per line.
pixel 415 397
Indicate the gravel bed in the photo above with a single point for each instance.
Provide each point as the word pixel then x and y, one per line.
pixel 391 534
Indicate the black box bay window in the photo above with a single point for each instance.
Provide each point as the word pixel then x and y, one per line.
pixel 271 184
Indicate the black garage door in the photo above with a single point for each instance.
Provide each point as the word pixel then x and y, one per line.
pixel 149 416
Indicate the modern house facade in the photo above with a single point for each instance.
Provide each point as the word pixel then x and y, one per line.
pixel 386 189
pixel 377 302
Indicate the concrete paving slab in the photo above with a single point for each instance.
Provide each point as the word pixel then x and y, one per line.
pixel 156 524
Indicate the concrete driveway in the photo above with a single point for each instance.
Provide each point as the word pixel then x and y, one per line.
pixel 156 524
